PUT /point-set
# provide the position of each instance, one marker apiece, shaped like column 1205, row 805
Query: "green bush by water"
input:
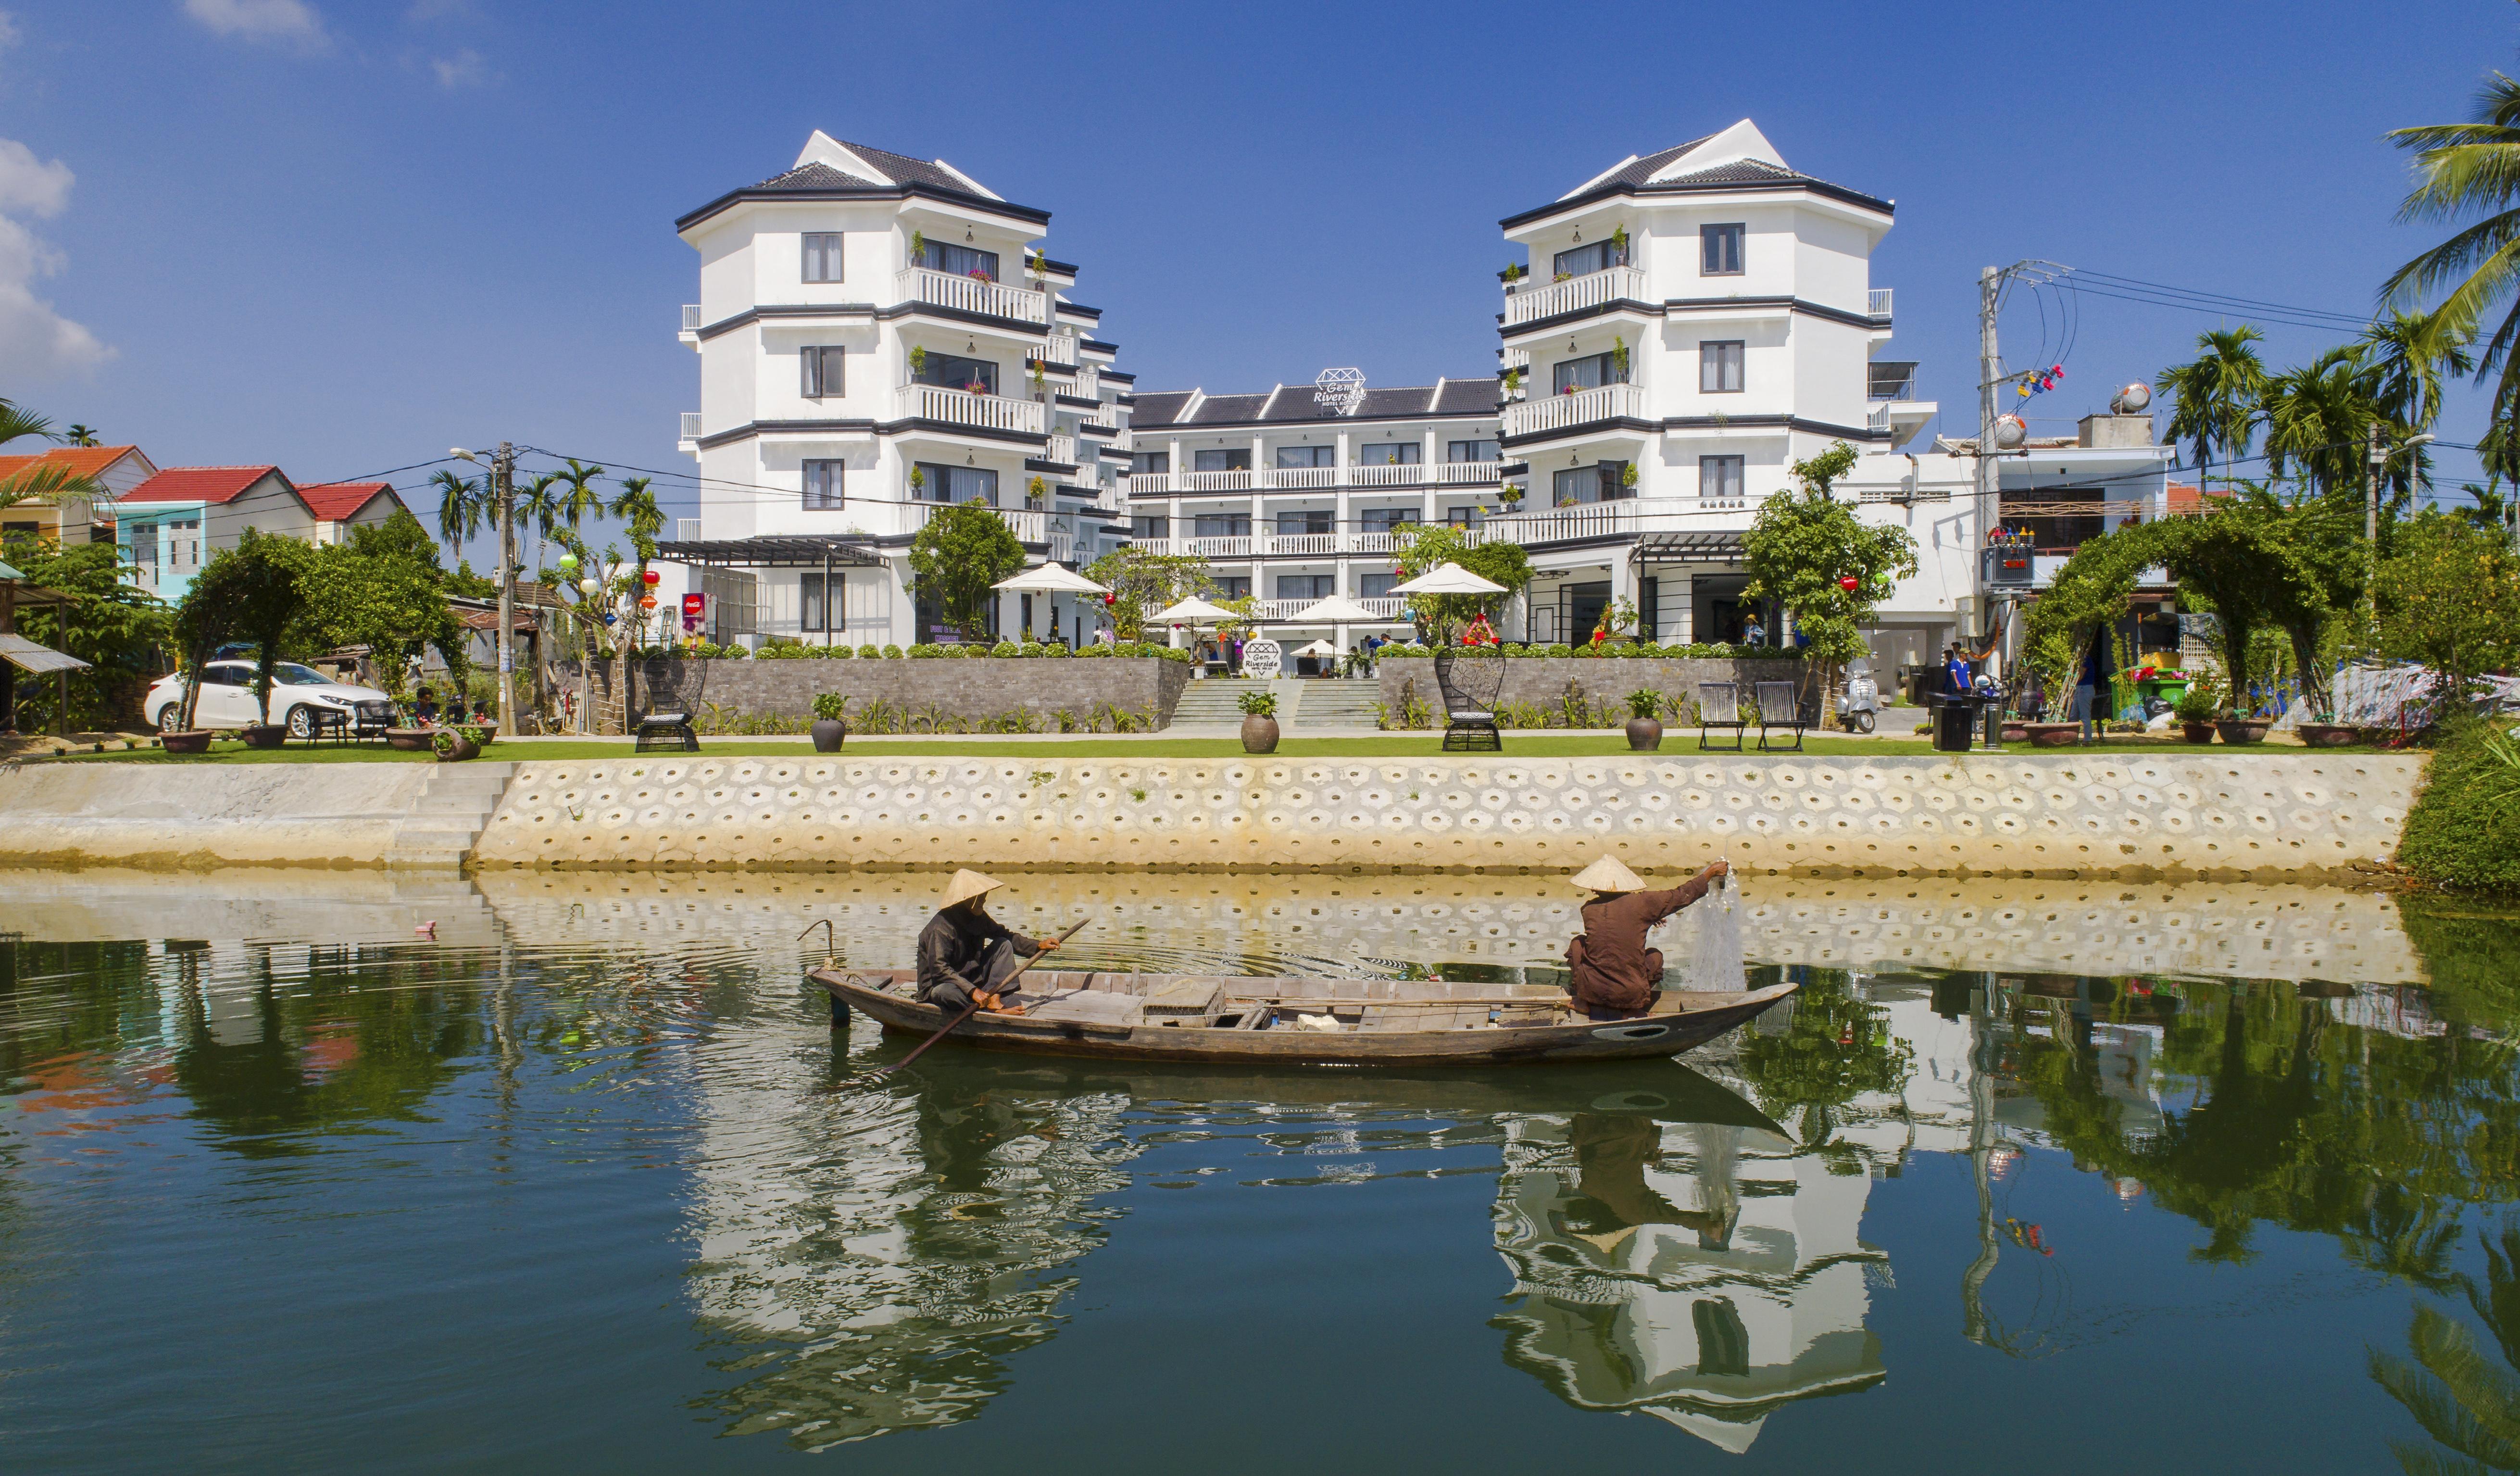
column 2463, row 834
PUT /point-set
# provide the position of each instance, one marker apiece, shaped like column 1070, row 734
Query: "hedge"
column 787, row 652
column 2463, row 833
column 1615, row 650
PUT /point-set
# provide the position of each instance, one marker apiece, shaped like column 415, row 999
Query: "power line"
column 2223, row 301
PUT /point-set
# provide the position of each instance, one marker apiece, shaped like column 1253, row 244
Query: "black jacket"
column 953, row 943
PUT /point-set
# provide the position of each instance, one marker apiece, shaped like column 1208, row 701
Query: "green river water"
column 2031, row 1175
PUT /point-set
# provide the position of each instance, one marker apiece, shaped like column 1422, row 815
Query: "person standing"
column 964, row 955
column 1614, row 974
column 1754, row 633
column 2087, row 692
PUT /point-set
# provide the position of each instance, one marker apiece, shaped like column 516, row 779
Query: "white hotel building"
column 878, row 334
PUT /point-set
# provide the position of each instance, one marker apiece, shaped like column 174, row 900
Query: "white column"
column 1685, row 583
column 1623, row 581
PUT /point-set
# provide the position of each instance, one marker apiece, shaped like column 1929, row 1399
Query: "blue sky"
column 344, row 237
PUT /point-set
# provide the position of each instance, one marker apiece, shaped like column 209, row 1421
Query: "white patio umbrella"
column 1336, row 611
column 1049, row 579
column 1318, row 649
column 1449, row 579
column 1194, row 611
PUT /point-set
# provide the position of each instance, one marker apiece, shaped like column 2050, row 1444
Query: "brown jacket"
column 1612, row 966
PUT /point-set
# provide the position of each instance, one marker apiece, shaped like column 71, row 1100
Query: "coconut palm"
column 33, row 483
column 2493, row 507
column 2468, row 1403
column 2406, row 354
column 538, row 505
column 2464, row 169
column 636, row 506
column 2319, row 418
column 574, row 498
column 460, row 507
column 2217, row 394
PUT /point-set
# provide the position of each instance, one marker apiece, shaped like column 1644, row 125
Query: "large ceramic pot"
column 2242, row 732
column 829, row 733
column 196, row 740
column 2196, row 733
column 408, row 739
column 1644, row 734
column 2014, row 731
column 2048, row 735
column 2327, row 734
column 1259, row 734
column 457, row 750
column 264, row 735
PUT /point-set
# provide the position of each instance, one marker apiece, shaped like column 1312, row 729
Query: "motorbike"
column 1861, row 699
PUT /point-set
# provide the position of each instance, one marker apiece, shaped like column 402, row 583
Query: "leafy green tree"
column 1800, row 548
column 2217, row 394
column 1141, row 582
column 965, row 550
column 2449, row 597
column 117, row 628
column 383, row 589
column 1431, row 546
column 636, row 508
column 1838, row 1048
column 254, row 592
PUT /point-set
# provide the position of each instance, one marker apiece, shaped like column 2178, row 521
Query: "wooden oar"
column 974, row 1006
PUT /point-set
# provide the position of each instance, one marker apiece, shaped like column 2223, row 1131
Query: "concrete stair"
column 1336, row 704
column 450, row 814
column 1212, row 703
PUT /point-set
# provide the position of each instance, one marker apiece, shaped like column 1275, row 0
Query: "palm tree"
column 2218, row 394
column 2463, row 170
column 539, row 505
column 2319, row 417
column 636, row 506
column 38, row 481
column 579, row 500
column 460, row 506
column 80, row 436
column 2466, row 1401
column 2493, row 507
column 2406, row 354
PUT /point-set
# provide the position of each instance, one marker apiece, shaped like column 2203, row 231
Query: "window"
column 1582, row 259
column 1589, row 372
column 1233, row 586
column 227, row 674
column 962, row 262
column 1719, row 368
column 184, row 541
column 1375, row 586
column 978, row 376
column 1458, row 452
column 1719, row 249
column 1150, row 525
column 1601, row 481
column 1308, row 456
column 822, row 372
column 1310, row 520
column 1151, row 460
column 1221, row 526
column 823, row 486
column 1466, row 516
column 1390, row 454
column 957, row 484
column 1238, row 459
column 1306, row 586
column 1389, row 519
column 1719, row 479
column 811, row 606
column 822, row 256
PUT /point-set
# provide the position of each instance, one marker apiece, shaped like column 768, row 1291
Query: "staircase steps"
column 450, row 814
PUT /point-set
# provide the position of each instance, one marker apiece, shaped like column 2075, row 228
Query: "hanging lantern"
column 1110, row 598
column 1848, row 582
column 647, row 602
column 589, row 585
column 651, row 578
column 567, row 560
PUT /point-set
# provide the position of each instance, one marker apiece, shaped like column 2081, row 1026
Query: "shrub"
column 837, row 653
column 1028, row 649
column 1006, row 649
column 1643, row 702
column 1258, row 705
column 1055, row 651
column 872, row 652
column 894, row 652
column 2201, row 702
column 922, row 650
column 831, row 706
column 2463, row 832
column 1560, row 648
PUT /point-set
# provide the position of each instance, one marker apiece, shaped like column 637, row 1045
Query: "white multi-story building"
column 879, row 335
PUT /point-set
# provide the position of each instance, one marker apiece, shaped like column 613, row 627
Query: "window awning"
column 42, row 660
column 1688, row 548
column 789, row 551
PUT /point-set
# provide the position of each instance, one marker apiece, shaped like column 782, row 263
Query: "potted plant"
column 1645, row 730
column 919, row 249
column 1628, row 479
column 451, row 746
column 1040, row 383
column 1259, row 722
column 918, row 360
column 264, row 735
column 1619, row 358
column 1036, row 493
column 1510, row 495
column 1513, row 273
column 918, row 484
column 2235, row 729
column 1514, row 383
column 190, row 741
column 831, row 721
column 1619, row 245
column 2197, row 710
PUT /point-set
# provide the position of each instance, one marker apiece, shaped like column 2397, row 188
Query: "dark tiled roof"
column 1228, row 408
column 1637, row 177
column 817, row 177
column 1295, row 403
column 1467, row 397
column 901, row 169
column 1390, row 404
column 1158, row 407
column 1740, row 171
column 1637, row 171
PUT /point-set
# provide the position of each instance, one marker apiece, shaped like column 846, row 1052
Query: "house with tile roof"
column 879, row 335
column 72, row 517
column 339, row 507
column 170, row 524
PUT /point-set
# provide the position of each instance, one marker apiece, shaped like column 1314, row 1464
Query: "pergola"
column 779, row 551
column 18, row 654
column 1688, row 548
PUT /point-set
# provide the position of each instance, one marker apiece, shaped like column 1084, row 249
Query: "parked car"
column 297, row 693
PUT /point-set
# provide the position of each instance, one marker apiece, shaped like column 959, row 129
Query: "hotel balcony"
column 1543, row 415
column 1317, row 478
column 1386, row 608
column 1532, row 304
column 937, row 404
column 690, row 439
column 691, row 333
column 971, row 294
column 1891, row 388
column 1275, row 545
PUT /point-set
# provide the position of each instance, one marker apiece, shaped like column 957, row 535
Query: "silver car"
column 297, row 693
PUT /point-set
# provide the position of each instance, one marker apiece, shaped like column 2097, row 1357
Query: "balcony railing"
column 1591, row 289
column 690, row 424
column 691, row 317
column 1316, row 478
column 1564, row 412
column 1385, row 606
column 1217, row 481
column 1876, row 302
column 1028, row 524
column 1890, row 380
column 1877, row 420
column 1063, row 447
column 960, row 407
column 1057, row 348
column 972, row 294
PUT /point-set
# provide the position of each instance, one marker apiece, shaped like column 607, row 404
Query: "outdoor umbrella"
column 1337, row 610
column 1318, row 648
column 1051, row 579
column 1194, row 611
column 1449, row 579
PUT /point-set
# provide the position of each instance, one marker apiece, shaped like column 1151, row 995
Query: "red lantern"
column 651, row 578
column 1848, row 582
column 1111, row 598
column 647, row 602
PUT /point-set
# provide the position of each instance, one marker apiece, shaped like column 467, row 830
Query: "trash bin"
column 1953, row 716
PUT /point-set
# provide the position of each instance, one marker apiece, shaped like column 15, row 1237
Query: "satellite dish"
column 2011, row 432
column 2133, row 399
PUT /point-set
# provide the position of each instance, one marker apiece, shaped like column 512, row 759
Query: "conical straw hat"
column 1608, row 875
column 967, row 884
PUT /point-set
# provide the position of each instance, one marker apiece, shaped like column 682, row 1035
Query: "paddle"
column 970, row 1008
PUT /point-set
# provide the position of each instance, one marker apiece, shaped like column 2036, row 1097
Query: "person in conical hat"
column 1615, row 975
column 965, row 954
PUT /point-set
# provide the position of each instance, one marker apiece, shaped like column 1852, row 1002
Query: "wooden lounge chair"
column 1469, row 679
column 1719, row 705
column 1780, row 706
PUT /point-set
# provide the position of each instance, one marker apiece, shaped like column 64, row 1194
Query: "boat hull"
column 1680, row 1022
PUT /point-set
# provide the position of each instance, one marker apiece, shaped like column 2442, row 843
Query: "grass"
column 1544, row 744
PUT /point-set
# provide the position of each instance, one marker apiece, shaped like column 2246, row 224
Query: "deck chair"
column 1470, row 678
column 670, row 731
column 1719, row 705
column 1776, row 698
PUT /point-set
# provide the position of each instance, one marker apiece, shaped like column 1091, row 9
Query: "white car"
column 298, row 693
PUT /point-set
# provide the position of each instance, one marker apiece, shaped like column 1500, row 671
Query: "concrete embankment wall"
column 2250, row 815
column 973, row 689
column 1540, row 681
column 206, row 815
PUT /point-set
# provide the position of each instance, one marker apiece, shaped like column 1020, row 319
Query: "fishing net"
column 1715, row 949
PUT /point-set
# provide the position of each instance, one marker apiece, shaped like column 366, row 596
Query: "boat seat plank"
column 1092, row 1007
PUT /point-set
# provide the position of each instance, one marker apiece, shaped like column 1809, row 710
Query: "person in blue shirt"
column 1955, row 669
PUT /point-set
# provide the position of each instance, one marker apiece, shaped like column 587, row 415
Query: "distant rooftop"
column 827, row 168
column 1734, row 158
column 1292, row 404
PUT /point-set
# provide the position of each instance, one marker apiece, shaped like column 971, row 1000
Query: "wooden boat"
column 1300, row 1021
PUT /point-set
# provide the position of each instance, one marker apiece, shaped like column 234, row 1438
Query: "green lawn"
column 1397, row 745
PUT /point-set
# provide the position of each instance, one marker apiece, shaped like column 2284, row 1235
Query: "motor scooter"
column 1861, row 699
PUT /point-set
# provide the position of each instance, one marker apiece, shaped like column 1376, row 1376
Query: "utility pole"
column 2376, row 462
column 1989, row 290
column 502, row 487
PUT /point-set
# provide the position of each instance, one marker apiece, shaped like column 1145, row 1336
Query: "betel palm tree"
column 539, row 505
column 78, row 436
column 2463, row 170
column 2217, row 395
column 2494, row 508
column 460, row 506
column 574, row 498
column 2319, row 418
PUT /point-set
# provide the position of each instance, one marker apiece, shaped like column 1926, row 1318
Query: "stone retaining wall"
column 1541, row 680
column 972, row 689
column 2254, row 815
column 204, row 815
